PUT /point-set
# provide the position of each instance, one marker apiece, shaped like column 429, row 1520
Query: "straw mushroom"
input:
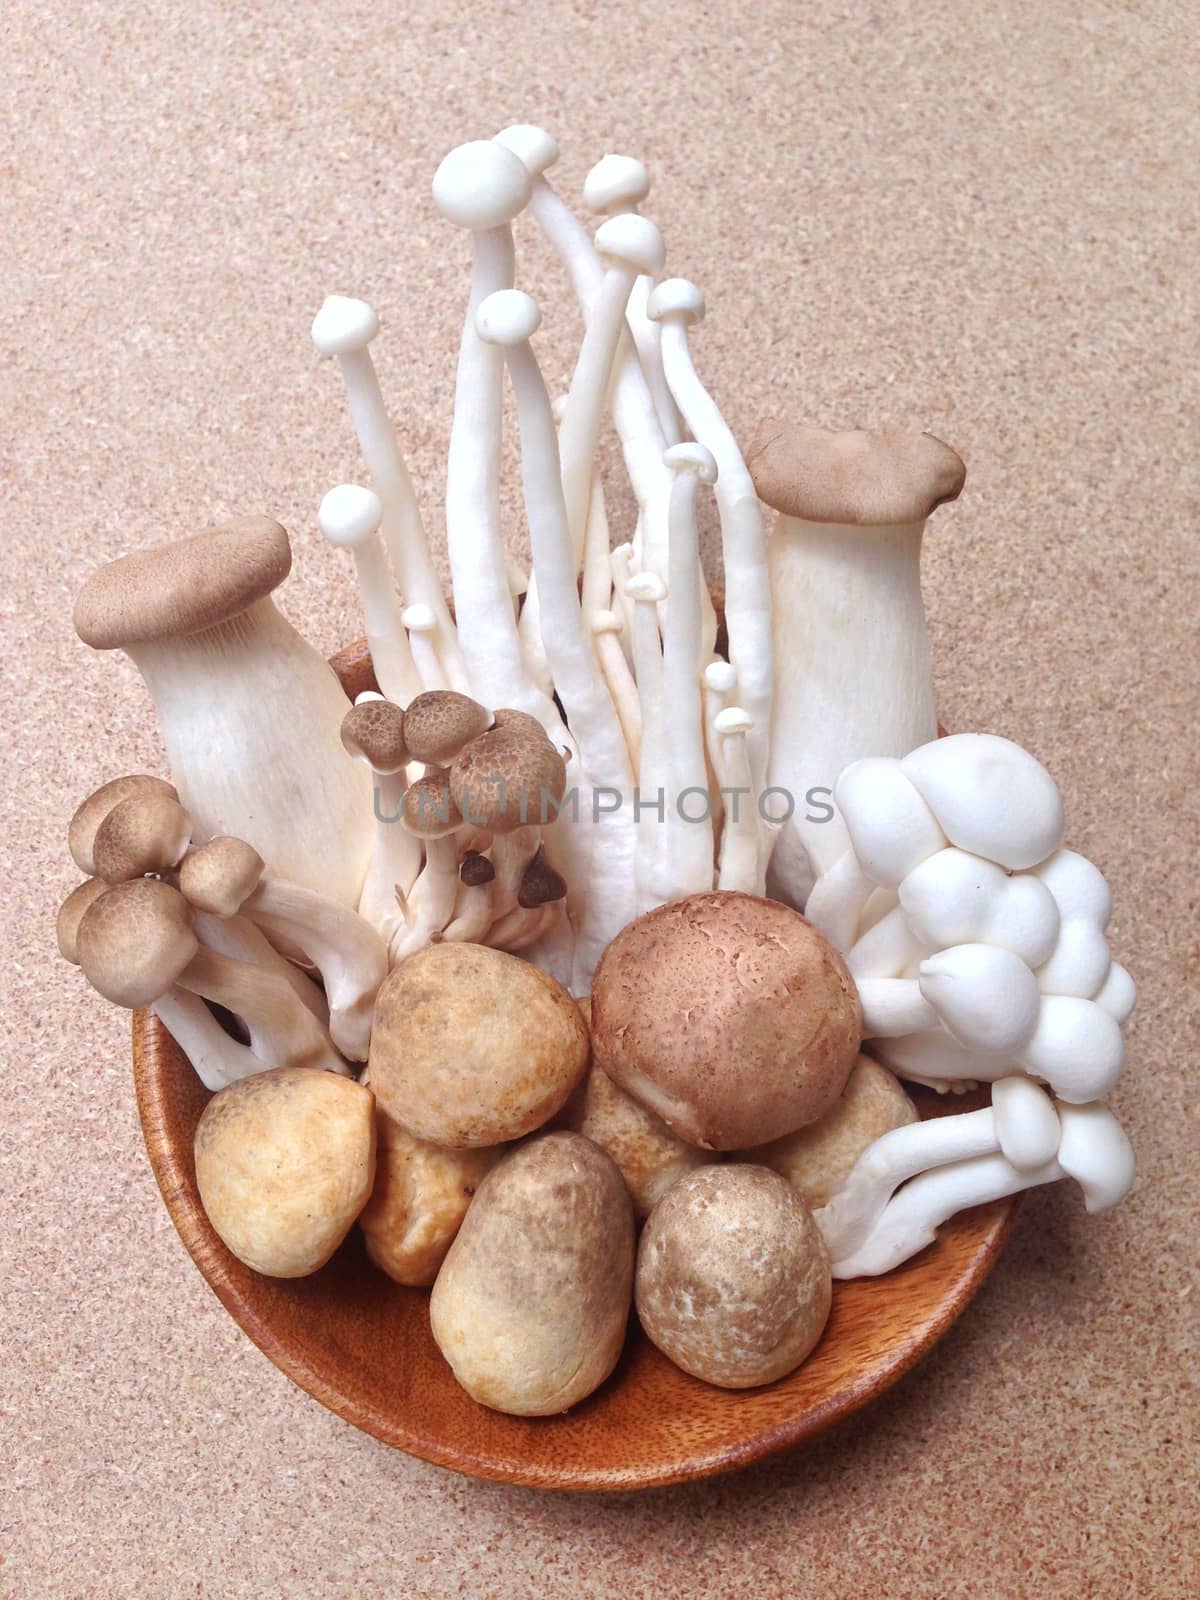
column 473, row 1047
column 84, row 825
column 531, row 1304
column 733, row 1279
column 249, row 712
column 419, row 1200
column 284, row 1164
column 136, row 943
column 816, row 1159
column 845, row 554
column 729, row 1017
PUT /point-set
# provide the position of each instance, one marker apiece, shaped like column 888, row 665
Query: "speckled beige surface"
column 981, row 219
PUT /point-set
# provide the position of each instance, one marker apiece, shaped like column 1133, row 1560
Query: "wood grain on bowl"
column 361, row 1344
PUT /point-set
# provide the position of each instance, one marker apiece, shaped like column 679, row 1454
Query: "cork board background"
column 976, row 219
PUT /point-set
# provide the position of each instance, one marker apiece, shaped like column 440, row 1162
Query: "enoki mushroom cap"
column 220, row 875
column 135, row 941
column 183, row 587
column 440, row 722
column 677, row 298
column 343, row 326
column 615, row 182
column 508, row 317
column 691, row 457
column 145, row 832
column 536, row 149
column 873, row 479
column 349, row 515
column 481, row 185
column 375, row 731
column 631, row 241
column 84, row 825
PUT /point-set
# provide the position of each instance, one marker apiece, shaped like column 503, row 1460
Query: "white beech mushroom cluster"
column 554, row 753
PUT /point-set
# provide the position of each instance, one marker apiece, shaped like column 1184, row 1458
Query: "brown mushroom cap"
column 874, row 479
column 284, row 1163
column 70, row 914
column 733, row 1281
column 473, row 1047
column 540, row 884
column 146, row 832
column 183, row 587
column 220, row 875
column 440, row 722
column 816, row 1159
column 429, row 808
column 730, row 1017
column 475, row 870
column 135, row 941
column 83, row 826
column 508, row 777
column 373, row 731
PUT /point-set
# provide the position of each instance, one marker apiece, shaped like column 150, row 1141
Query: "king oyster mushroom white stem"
column 350, row 518
column 226, row 876
column 136, row 944
column 619, row 184
column 345, row 328
column 249, row 712
column 373, row 731
column 482, row 186
column 688, row 834
column 676, row 305
column 508, row 319
column 851, row 651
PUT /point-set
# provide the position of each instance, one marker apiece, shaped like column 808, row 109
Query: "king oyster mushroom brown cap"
column 872, row 479
column 499, row 779
column 83, row 826
column 440, row 722
column 135, row 941
column 183, row 587
column 146, row 832
column 375, row 731
column 220, row 875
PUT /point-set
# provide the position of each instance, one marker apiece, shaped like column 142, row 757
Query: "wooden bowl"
column 361, row 1344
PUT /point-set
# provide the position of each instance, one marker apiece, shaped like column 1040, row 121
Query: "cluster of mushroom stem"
column 551, row 753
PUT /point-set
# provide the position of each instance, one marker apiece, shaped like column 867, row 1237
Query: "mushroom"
column 1080, row 962
column 226, row 875
column 146, row 832
column 136, row 943
column 854, row 679
column 1092, row 1149
column 989, row 796
column 429, row 814
column 249, row 712
column 350, row 518
column 474, row 1047
column 420, row 624
column 954, row 897
column 506, row 777
column 816, row 1159
column 374, row 732
column 83, row 826
column 676, row 305
column 473, row 905
column 741, row 856
column 482, row 186
column 284, row 1164
column 729, row 1017
column 984, row 996
column 647, row 591
column 438, row 725
column 216, row 1057
column 619, row 184
column 686, row 838
column 70, row 914
column 345, row 328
